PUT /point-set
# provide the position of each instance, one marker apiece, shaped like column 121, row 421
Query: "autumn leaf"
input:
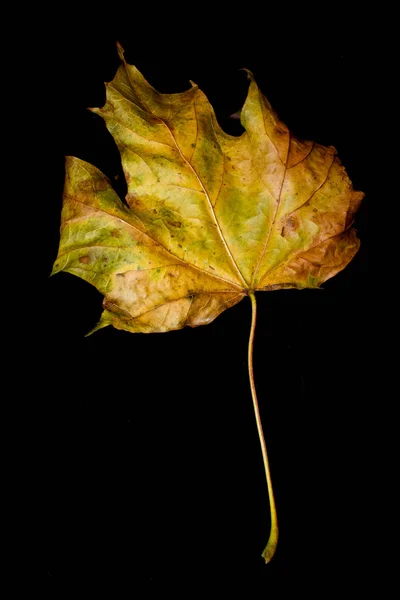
column 209, row 218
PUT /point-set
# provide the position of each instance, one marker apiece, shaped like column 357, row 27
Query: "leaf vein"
column 312, row 195
column 205, row 193
column 285, row 262
column 304, row 157
column 156, row 242
column 276, row 212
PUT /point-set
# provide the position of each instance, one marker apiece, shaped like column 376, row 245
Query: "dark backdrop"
column 145, row 465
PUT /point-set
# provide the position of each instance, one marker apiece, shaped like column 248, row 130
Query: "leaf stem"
column 270, row 548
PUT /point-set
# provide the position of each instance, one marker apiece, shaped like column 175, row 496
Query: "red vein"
column 265, row 127
column 302, row 159
column 285, row 262
column 274, row 223
column 197, row 130
column 222, row 181
column 312, row 195
column 275, row 214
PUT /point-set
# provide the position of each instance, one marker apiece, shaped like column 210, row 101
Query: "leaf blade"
column 210, row 217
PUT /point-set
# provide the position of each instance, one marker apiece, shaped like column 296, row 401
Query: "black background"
column 145, row 468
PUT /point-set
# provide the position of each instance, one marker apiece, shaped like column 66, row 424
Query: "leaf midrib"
column 211, row 208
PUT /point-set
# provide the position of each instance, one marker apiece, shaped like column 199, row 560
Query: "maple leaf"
column 209, row 218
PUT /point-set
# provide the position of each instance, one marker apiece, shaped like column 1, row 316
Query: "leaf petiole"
column 270, row 548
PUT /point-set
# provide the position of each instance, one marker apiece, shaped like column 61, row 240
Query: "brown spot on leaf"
column 115, row 233
column 291, row 223
column 101, row 185
column 173, row 223
column 86, row 185
column 84, row 259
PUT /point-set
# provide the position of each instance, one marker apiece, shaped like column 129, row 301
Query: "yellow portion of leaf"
column 210, row 217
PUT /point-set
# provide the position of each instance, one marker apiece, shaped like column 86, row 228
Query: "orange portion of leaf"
column 210, row 217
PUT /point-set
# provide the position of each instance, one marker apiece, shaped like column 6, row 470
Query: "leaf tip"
column 98, row 326
column 121, row 51
column 103, row 322
column 56, row 269
column 249, row 74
